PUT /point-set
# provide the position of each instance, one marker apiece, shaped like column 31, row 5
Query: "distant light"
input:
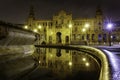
column 39, row 61
column 39, row 27
column 70, row 25
column 111, row 36
column 51, row 55
column 87, row 25
column 35, row 30
column 26, row 27
column 87, row 64
column 84, row 59
column 83, row 30
column 109, row 26
column 70, row 63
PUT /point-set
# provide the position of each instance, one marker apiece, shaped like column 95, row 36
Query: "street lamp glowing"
column 109, row 26
column 39, row 27
column 39, row 61
column 35, row 30
column 87, row 25
column 26, row 27
column 87, row 64
column 70, row 63
column 84, row 59
column 83, row 30
column 70, row 25
column 51, row 55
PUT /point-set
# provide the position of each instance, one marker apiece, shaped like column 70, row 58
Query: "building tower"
column 99, row 17
column 31, row 18
column 99, row 25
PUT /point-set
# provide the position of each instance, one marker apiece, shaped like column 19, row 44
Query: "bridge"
column 11, row 34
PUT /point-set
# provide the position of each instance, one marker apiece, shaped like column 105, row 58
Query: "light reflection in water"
column 68, row 64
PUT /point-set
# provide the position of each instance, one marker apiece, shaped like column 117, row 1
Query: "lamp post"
column 86, row 26
column 109, row 27
column 39, row 28
column 84, row 31
column 70, row 26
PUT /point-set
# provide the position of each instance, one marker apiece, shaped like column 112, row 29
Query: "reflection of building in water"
column 65, row 61
column 83, row 62
column 42, row 57
column 58, row 59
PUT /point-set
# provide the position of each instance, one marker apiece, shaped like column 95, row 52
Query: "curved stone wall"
column 105, row 69
column 18, row 38
column 14, row 35
column 105, row 72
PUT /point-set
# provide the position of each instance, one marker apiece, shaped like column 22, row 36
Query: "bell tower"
column 99, row 18
column 99, row 11
column 99, row 25
column 31, row 12
column 31, row 18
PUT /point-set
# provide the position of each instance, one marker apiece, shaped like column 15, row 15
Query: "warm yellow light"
column 39, row 61
column 39, row 27
column 87, row 25
column 26, row 27
column 51, row 55
column 70, row 25
column 84, row 59
column 70, row 63
column 35, row 30
column 87, row 64
column 83, row 30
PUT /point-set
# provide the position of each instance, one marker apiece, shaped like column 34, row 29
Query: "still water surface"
column 61, row 64
column 52, row 64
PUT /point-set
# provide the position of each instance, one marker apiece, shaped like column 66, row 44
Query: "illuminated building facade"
column 63, row 29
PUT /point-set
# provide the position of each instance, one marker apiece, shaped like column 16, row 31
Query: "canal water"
column 52, row 64
column 61, row 64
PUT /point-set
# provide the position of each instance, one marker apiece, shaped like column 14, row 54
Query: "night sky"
column 16, row 11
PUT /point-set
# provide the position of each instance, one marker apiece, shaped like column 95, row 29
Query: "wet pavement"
column 113, row 53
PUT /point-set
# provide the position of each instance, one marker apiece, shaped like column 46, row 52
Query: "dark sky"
column 16, row 11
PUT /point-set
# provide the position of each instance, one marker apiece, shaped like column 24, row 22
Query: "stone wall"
column 14, row 35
